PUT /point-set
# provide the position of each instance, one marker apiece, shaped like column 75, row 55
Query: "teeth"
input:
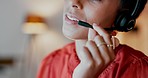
column 74, row 19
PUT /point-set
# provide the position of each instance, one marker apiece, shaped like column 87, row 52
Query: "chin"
column 74, row 35
column 75, row 38
column 73, row 32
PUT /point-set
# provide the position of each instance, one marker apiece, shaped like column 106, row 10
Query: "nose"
column 76, row 4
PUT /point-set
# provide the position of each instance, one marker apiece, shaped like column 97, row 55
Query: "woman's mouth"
column 71, row 19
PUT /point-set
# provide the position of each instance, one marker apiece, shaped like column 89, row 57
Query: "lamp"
column 34, row 24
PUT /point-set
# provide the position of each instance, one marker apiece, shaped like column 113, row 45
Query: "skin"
column 101, row 14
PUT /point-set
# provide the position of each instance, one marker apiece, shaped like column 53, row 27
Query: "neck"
column 79, row 44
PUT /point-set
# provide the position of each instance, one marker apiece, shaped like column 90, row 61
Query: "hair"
column 130, row 5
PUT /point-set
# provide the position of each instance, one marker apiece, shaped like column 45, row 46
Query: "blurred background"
column 32, row 29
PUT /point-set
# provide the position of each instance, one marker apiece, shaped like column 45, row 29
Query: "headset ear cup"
column 120, row 22
column 124, row 22
column 130, row 25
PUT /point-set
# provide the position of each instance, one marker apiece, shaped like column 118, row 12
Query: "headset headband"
column 135, row 10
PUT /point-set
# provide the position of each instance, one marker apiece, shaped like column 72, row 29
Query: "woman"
column 95, row 53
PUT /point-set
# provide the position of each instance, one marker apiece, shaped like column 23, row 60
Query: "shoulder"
column 55, row 60
column 59, row 53
column 129, row 52
column 131, row 61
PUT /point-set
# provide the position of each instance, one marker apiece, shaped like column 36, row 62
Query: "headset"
column 126, row 19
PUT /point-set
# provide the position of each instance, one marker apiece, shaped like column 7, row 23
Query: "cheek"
column 94, row 15
column 102, row 17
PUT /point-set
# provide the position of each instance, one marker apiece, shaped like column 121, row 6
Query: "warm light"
column 34, row 25
column 34, row 28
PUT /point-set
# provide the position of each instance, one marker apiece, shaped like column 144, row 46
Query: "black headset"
column 126, row 19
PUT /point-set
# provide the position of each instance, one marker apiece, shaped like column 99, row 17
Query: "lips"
column 71, row 19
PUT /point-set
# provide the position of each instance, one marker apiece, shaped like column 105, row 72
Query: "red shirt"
column 129, row 63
